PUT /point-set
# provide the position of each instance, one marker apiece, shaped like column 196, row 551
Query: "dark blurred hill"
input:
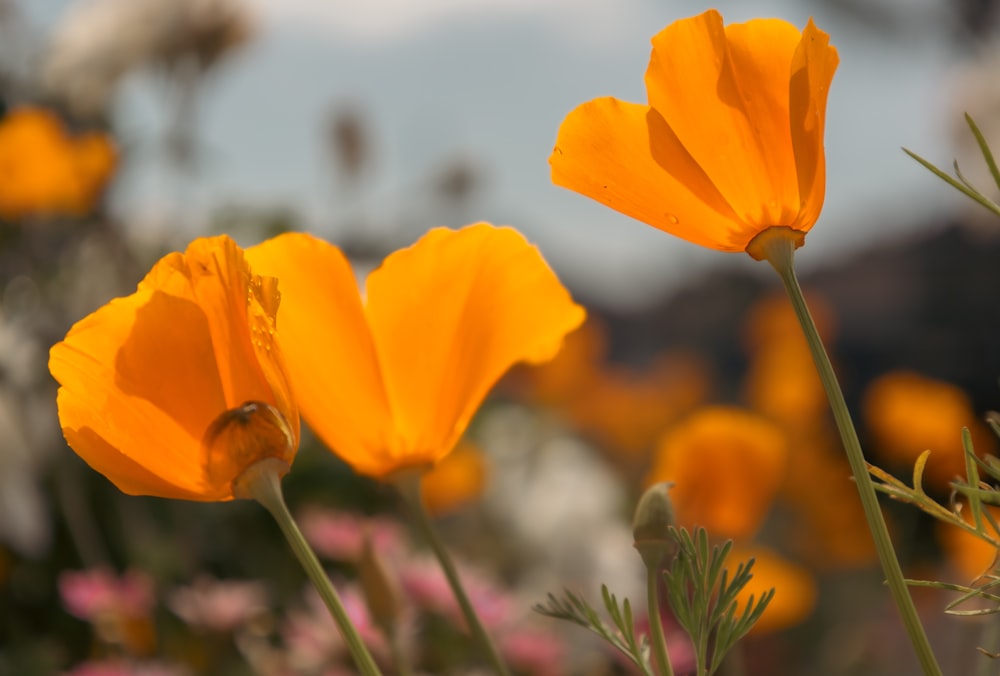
column 926, row 303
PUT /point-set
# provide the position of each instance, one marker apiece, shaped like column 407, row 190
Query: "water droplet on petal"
column 673, row 219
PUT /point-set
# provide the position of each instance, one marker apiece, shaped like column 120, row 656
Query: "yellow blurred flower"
column 795, row 589
column 46, row 171
column 455, row 481
column 727, row 465
column 730, row 144
column 909, row 413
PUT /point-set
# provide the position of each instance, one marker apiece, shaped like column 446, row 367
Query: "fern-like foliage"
column 959, row 182
column 574, row 608
column 704, row 600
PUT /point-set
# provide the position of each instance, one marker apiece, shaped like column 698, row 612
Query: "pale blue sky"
column 492, row 79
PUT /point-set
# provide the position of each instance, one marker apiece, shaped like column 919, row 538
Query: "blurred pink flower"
column 117, row 667
column 218, row 605
column 425, row 584
column 340, row 535
column 91, row 594
column 531, row 651
column 313, row 640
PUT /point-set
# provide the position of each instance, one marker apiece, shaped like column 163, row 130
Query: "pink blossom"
column 117, row 667
column 95, row 593
column 340, row 535
column 313, row 639
column 218, row 605
column 425, row 584
column 534, row 652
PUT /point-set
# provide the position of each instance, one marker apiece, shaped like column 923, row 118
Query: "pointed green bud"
column 651, row 525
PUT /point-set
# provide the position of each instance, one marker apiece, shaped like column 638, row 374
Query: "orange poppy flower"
column 390, row 381
column 726, row 465
column 45, row 171
column 730, row 144
column 909, row 413
column 795, row 588
column 177, row 389
column 456, row 481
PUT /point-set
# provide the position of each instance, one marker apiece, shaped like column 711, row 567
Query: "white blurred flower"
column 25, row 421
column 564, row 504
column 98, row 42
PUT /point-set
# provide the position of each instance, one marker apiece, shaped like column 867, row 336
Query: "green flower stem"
column 658, row 640
column 262, row 482
column 409, row 487
column 777, row 246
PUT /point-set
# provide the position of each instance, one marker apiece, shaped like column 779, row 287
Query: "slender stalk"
column 658, row 640
column 777, row 247
column 398, row 654
column 262, row 482
column 409, row 488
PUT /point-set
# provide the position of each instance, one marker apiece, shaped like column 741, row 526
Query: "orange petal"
column 724, row 92
column 727, row 466
column 144, row 377
column 140, row 376
column 626, row 157
column 813, row 66
column 328, row 348
column 449, row 316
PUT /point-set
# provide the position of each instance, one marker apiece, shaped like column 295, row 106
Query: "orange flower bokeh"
column 390, row 381
column 795, row 588
column 457, row 480
column 909, row 413
column 45, row 171
column 179, row 388
column 730, row 143
column 726, row 465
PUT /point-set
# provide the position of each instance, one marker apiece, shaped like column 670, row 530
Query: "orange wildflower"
column 43, row 170
column 972, row 556
column 795, row 589
column 726, row 465
column 390, row 381
column 909, row 413
column 179, row 388
column 455, row 481
column 730, row 143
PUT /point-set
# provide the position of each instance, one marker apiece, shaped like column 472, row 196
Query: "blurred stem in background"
column 776, row 245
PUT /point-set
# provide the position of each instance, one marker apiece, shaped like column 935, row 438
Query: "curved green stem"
column 658, row 640
column 262, row 482
column 409, row 488
column 777, row 246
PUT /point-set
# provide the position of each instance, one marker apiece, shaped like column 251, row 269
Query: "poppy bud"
column 654, row 515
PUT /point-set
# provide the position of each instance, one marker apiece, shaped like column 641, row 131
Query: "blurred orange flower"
column 43, row 170
column 795, row 589
column 455, row 481
column 726, row 465
column 624, row 409
column 730, row 144
column 909, row 413
column 177, row 389
column 782, row 381
column 971, row 555
column 391, row 381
